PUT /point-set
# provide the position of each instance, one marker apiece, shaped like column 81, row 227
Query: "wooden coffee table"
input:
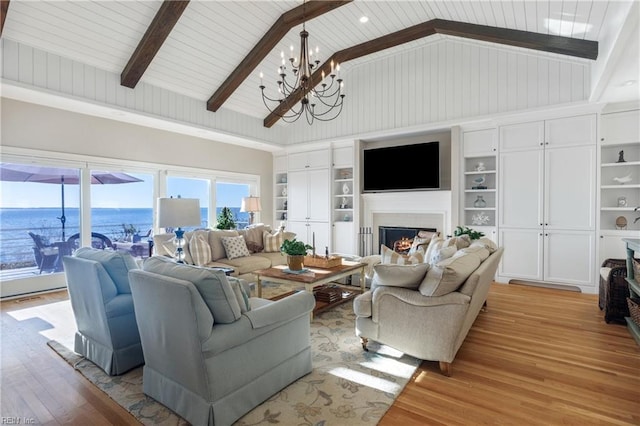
column 313, row 277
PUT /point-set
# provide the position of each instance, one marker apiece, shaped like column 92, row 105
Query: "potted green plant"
column 295, row 251
column 225, row 219
column 464, row 230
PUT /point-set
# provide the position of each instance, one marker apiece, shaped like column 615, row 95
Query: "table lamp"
column 176, row 213
column 251, row 204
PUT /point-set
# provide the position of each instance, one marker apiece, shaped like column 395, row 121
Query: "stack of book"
column 328, row 294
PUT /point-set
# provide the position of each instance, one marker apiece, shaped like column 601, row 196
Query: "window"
column 231, row 195
column 40, row 207
column 122, row 211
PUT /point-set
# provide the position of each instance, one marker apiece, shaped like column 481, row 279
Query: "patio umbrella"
column 61, row 176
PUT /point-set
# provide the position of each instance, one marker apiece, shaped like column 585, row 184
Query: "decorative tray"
column 322, row 262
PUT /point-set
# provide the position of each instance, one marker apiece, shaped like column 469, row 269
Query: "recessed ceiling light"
column 364, row 19
column 629, row 82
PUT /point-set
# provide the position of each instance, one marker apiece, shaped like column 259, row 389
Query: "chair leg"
column 484, row 307
column 445, row 368
column 364, row 341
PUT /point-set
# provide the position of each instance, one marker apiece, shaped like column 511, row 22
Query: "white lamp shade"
column 250, row 204
column 178, row 212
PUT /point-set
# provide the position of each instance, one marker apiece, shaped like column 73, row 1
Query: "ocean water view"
column 16, row 246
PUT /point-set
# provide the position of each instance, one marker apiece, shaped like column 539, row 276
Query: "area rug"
column 346, row 386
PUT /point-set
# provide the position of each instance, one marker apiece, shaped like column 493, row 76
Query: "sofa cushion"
column 388, row 256
column 406, row 276
column 253, row 237
column 477, row 249
column 215, row 241
column 487, row 243
column 116, row 263
column 212, row 285
column 272, row 242
column 244, row 265
column 199, row 248
column 235, row 247
column 275, row 258
column 462, row 241
column 442, row 253
column 446, row 276
column 419, row 242
column 241, row 296
column 435, row 245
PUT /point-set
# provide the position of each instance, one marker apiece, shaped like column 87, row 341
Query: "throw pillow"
column 462, row 241
column 477, row 249
column 419, row 243
column 168, row 247
column 487, row 243
column 254, row 247
column 215, row 241
column 212, row 285
column 273, row 242
column 388, row 256
column 436, row 244
column 406, row 276
column 442, row 254
column 428, row 234
column 200, row 249
column 446, row 276
column 235, row 247
column 241, row 295
column 253, row 234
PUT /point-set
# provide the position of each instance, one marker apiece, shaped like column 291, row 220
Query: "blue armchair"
column 211, row 353
column 102, row 304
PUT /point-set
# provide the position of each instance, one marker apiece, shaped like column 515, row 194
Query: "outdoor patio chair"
column 98, row 241
column 46, row 255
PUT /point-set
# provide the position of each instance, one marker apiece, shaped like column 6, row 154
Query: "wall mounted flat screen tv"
column 402, row 168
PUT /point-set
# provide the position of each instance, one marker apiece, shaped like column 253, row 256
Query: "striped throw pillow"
column 389, row 256
column 273, row 242
column 200, row 249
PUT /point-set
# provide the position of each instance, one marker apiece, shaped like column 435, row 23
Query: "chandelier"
column 321, row 102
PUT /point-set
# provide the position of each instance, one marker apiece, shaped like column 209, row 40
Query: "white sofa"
column 428, row 315
column 261, row 258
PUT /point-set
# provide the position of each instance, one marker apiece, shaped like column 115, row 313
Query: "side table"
column 633, row 245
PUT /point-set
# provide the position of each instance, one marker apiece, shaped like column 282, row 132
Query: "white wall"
column 26, row 125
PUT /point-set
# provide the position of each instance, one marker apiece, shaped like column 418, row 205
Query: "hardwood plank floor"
column 537, row 356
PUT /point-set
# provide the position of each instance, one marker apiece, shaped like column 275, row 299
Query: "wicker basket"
column 634, row 309
column 322, row 262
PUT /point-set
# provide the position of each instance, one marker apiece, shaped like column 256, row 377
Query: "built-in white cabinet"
column 345, row 201
column 308, row 160
column 280, row 189
column 308, row 206
column 547, row 200
column 619, row 178
column 479, row 197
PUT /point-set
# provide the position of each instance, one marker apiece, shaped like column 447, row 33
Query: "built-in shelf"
column 480, row 173
column 480, row 208
column 479, row 190
column 626, row 163
column 632, row 186
column 617, row 209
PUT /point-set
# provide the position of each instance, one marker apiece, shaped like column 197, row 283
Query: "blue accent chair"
column 102, row 304
column 211, row 353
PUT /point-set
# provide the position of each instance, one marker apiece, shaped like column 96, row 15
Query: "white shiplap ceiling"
column 212, row 37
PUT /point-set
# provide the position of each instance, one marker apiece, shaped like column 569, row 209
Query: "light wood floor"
column 537, row 356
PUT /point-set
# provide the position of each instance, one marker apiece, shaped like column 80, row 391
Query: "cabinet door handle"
column 546, row 235
column 546, row 143
column 541, row 144
column 546, row 224
column 540, row 224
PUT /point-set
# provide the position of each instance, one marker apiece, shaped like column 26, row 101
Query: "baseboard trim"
column 547, row 285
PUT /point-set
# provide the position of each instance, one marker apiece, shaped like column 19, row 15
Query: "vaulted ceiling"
column 210, row 39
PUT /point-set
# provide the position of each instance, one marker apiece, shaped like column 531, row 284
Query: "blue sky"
column 138, row 194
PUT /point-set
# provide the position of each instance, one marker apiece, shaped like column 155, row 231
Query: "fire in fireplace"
column 399, row 238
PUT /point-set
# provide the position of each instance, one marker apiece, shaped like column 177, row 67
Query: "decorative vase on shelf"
column 345, row 188
column 480, row 202
column 284, row 191
column 480, row 167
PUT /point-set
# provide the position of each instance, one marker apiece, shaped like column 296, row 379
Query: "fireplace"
column 399, row 238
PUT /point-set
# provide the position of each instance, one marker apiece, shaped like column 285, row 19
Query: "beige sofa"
column 260, row 257
column 427, row 316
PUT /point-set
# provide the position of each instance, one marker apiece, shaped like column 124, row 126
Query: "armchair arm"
column 415, row 298
column 298, row 304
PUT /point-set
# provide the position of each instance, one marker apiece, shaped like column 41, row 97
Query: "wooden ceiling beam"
column 4, row 8
column 278, row 30
column 529, row 40
column 158, row 31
